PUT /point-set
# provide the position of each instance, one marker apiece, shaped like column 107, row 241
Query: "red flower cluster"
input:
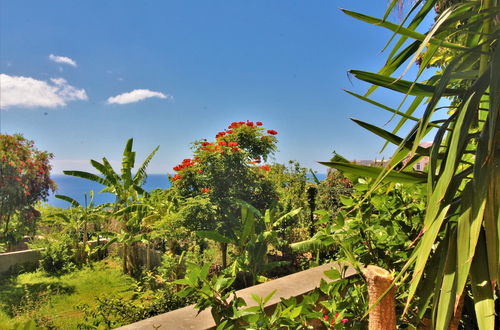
column 185, row 163
column 220, row 134
column 176, row 177
column 232, row 144
column 222, row 143
column 272, row 132
column 237, row 124
column 265, row 168
column 205, row 190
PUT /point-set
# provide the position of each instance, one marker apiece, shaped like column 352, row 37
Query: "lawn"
column 51, row 300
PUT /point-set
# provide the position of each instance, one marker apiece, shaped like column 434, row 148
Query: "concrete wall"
column 19, row 260
column 294, row 285
column 26, row 260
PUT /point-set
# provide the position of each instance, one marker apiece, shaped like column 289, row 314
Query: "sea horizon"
column 76, row 188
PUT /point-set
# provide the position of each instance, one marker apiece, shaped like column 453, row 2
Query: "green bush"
column 112, row 312
column 57, row 258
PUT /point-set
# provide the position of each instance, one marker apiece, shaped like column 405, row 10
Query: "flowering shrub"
column 224, row 170
column 24, row 177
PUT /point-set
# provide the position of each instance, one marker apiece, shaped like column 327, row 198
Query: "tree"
column 458, row 245
column 24, row 178
column 223, row 171
column 127, row 189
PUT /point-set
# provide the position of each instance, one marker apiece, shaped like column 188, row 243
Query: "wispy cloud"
column 62, row 60
column 135, row 96
column 26, row 92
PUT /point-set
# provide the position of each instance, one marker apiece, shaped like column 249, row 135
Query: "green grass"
column 51, row 300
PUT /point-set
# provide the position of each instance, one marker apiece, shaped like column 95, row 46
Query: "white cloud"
column 135, row 96
column 62, row 60
column 26, row 92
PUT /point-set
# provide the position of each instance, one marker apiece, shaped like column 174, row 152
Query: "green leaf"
column 68, row 199
column 214, row 236
column 268, row 297
column 391, row 137
column 402, row 30
column 374, row 172
column 402, row 86
column 482, row 290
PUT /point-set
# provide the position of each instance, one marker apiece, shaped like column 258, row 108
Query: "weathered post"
column 382, row 315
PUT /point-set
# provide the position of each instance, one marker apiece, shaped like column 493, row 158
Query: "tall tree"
column 24, row 177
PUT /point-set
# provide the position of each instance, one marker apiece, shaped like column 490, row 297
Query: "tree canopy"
column 24, row 176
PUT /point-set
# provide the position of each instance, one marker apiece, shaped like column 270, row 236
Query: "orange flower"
column 265, row 168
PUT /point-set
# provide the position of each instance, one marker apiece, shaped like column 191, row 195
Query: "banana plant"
column 252, row 240
column 127, row 189
column 458, row 245
column 79, row 220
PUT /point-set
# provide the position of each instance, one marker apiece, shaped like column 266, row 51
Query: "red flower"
column 235, row 149
column 205, row 190
column 222, row 143
column 249, row 123
column 272, row 132
column 230, row 131
column 232, row 144
column 344, row 321
column 265, row 168
column 204, row 144
column 178, row 168
column 220, row 134
column 200, row 171
column 259, row 123
column 325, row 317
column 176, row 177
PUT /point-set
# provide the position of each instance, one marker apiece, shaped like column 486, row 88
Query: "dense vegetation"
column 231, row 219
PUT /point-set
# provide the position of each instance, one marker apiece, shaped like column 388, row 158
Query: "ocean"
column 76, row 188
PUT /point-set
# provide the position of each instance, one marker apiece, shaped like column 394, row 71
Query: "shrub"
column 57, row 258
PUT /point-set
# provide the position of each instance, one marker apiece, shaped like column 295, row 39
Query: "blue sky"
column 195, row 67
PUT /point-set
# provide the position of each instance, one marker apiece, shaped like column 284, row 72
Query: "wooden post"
column 383, row 315
column 148, row 257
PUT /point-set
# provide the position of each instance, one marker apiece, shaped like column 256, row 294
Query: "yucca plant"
column 127, row 188
column 458, row 245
